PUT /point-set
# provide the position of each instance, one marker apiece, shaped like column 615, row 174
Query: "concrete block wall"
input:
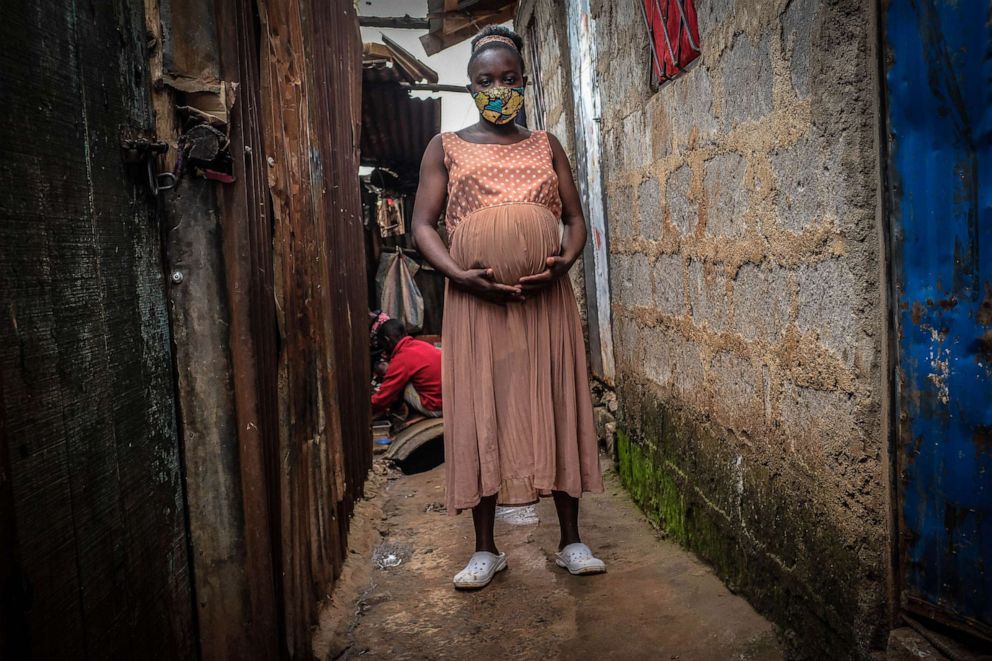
column 555, row 73
column 748, row 316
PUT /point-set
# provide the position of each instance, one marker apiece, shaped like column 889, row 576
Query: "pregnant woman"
column 517, row 411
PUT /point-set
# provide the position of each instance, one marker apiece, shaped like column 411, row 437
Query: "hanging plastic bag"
column 399, row 296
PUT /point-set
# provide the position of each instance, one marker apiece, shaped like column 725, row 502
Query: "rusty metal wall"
column 309, row 75
column 246, row 218
column 337, row 82
column 938, row 115
column 279, row 422
column 94, row 560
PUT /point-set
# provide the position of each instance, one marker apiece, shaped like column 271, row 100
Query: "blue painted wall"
column 939, row 118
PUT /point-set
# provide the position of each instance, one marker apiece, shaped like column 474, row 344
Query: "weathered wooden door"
column 93, row 554
column 938, row 111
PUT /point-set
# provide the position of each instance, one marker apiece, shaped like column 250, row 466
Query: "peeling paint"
column 938, row 116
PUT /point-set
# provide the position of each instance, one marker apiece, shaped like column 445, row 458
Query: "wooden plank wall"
column 91, row 478
column 208, row 239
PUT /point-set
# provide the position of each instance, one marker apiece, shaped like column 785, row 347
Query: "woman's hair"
column 497, row 31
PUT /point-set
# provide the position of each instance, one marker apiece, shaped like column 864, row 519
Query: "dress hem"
column 458, row 509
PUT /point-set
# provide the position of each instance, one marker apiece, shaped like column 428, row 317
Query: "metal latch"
column 136, row 150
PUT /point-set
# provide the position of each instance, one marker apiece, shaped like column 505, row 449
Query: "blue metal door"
column 938, row 109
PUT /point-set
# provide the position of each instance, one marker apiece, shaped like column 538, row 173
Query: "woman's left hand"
column 555, row 267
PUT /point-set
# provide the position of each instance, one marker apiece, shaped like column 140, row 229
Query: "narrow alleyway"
column 657, row 601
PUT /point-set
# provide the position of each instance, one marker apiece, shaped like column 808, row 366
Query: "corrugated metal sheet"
column 310, row 98
column 91, row 489
column 337, row 69
column 390, row 62
column 395, row 127
column 939, row 120
column 246, row 218
column 214, row 348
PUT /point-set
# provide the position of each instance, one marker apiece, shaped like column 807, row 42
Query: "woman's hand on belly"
column 482, row 283
column 554, row 268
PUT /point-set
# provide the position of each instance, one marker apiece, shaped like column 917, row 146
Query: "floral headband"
column 495, row 37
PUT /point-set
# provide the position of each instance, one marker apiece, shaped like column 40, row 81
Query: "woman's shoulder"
column 444, row 141
column 551, row 137
column 435, row 153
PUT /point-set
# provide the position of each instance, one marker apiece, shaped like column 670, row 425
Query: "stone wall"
column 747, row 305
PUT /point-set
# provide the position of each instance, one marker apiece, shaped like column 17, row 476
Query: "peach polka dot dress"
column 517, row 409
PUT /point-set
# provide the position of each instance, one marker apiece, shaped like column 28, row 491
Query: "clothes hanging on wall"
column 389, row 216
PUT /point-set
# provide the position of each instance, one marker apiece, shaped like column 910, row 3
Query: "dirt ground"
column 656, row 601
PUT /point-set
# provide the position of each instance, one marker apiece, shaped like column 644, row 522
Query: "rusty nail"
column 177, row 277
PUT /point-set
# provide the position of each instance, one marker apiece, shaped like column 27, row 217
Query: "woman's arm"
column 431, row 194
column 574, row 237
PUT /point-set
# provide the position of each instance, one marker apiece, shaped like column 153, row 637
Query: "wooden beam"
column 435, row 87
column 403, row 22
column 452, row 26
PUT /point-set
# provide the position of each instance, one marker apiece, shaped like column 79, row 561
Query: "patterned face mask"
column 499, row 105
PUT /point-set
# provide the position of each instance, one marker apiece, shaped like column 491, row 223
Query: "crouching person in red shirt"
column 414, row 372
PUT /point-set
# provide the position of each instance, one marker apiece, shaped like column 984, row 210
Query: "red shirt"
column 412, row 361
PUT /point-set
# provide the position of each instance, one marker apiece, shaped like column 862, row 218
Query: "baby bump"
column 513, row 240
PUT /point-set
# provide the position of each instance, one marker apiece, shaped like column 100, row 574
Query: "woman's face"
column 496, row 67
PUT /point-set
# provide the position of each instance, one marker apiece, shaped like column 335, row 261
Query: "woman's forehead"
column 495, row 61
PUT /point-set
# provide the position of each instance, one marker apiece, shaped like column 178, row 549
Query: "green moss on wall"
column 660, row 492
column 787, row 557
column 652, row 489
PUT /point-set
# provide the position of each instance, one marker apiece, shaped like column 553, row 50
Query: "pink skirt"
column 517, row 409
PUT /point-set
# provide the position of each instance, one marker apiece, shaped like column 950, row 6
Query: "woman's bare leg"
column 484, row 518
column 568, row 518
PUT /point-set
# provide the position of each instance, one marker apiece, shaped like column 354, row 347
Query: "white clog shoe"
column 579, row 560
column 480, row 570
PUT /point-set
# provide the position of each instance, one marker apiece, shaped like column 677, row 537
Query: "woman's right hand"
column 482, row 283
